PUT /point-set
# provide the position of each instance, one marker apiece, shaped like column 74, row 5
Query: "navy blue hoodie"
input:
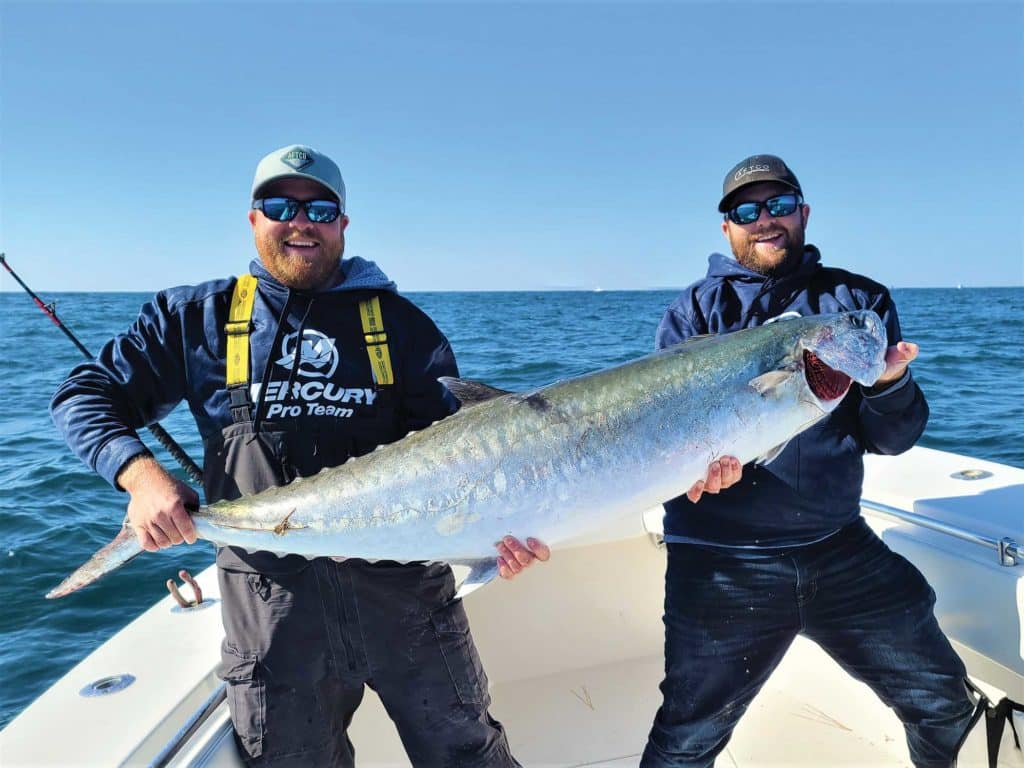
column 176, row 351
column 813, row 488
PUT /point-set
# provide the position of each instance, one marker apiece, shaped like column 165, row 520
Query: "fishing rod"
column 168, row 442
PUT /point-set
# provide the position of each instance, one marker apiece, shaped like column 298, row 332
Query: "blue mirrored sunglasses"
column 748, row 213
column 286, row 209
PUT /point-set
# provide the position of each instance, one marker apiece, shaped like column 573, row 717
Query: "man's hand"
column 157, row 506
column 722, row 473
column 514, row 556
column 896, row 361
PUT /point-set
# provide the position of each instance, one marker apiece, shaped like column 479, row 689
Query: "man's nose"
column 302, row 213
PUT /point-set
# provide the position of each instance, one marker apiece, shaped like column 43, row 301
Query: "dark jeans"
column 729, row 620
column 299, row 647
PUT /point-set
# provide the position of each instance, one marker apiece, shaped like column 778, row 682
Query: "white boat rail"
column 1008, row 551
column 192, row 724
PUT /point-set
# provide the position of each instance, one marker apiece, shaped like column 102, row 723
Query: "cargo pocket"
column 246, row 697
column 451, row 627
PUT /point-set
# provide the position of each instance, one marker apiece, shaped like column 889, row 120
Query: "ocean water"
column 54, row 512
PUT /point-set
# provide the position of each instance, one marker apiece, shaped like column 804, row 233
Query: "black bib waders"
column 303, row 636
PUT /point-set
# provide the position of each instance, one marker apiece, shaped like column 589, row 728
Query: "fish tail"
column 123, row 548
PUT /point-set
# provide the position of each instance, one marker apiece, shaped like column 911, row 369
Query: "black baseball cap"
column 752, row 170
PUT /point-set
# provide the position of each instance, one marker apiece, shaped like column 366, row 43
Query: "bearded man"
column 334, row 362
column 783, row 550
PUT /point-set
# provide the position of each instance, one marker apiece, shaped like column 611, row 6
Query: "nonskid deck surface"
column 810, row 713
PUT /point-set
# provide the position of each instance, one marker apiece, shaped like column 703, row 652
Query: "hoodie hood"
column 727, row 268
column 732, row 296
column 359, row 275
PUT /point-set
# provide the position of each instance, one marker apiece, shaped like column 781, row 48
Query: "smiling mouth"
column 301, row 243
column 768, row 237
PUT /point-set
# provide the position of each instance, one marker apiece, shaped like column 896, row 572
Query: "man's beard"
column 780, row 262
column 295, row 272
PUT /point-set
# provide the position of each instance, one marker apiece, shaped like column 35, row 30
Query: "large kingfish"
column 557, row 461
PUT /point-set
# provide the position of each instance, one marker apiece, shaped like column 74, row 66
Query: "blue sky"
column 510, row 146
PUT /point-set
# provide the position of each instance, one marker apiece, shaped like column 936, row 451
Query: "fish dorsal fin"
column 692, row 340
column 471, row 392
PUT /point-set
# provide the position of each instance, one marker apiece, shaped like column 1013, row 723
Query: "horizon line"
column 540, row 290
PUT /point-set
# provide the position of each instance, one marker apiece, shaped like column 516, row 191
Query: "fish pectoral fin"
column 771, row 454
column 767, row 383
column 481, row 571
column 471, row 392
column 287, row 525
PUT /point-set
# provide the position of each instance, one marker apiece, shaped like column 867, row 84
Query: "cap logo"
column 761, row 168
column 297, row 159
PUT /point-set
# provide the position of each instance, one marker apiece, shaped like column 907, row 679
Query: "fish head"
column 839, row 349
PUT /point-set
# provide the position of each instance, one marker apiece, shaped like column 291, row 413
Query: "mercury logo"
column 318, row 357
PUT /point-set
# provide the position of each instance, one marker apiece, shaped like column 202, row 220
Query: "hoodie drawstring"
column 265, row 379
column 297, row 357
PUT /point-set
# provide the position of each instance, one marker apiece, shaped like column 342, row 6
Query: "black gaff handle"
column 168, row 442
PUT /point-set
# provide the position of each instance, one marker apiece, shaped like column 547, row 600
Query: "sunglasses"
column 748, row 213
column 286, row 209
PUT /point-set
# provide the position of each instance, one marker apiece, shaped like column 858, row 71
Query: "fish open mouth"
column 826, row 383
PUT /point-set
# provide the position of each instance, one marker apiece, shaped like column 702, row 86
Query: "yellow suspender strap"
column 376, row 341
column 237, row 329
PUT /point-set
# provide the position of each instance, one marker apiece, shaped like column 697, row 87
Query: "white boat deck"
column 573, row 651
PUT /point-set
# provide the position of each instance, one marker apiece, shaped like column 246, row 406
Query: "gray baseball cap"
column 300, row 162
column 752, row 170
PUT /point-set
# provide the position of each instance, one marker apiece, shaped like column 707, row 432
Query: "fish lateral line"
column 279, row 530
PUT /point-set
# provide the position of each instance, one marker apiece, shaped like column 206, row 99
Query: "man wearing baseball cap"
column 784, row 551
column 302, row 636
